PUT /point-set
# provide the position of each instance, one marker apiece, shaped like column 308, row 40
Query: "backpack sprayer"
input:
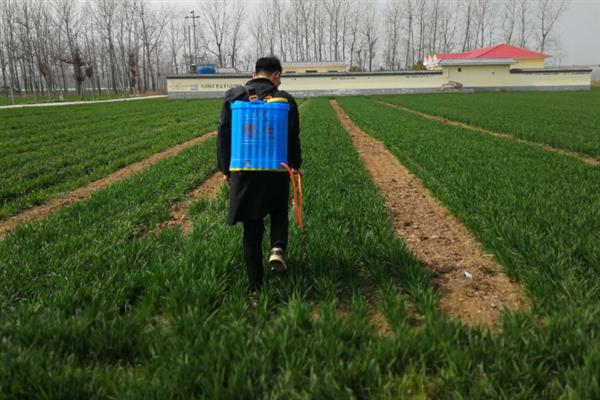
column 259, row 139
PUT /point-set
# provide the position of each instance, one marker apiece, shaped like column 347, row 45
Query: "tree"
column 421, row 10
column 131, row 44
column 448, row 16
column 303, row 17
column 44, row 33
column 234, row 33
column 393, row 26
column 103, row 12
column 9, row 45
column 369, row 32
column 468, row 18
column 484, row 14
column 347, row 18
column 24, row 23
column 337, row 14
column 434, row 25
column 174, row 35
column 354, row 34
column 409, row 15
column 92, row 51
column 70, row 25
column 523, row 22
column 215, row 16
column 548, row 12
column 509, row 20
column 318, row 29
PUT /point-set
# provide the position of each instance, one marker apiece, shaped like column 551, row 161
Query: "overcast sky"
column 579, row 33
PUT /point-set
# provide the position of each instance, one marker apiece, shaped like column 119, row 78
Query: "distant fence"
column 485, row 78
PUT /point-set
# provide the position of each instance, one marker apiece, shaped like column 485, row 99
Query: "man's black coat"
column 254, row 194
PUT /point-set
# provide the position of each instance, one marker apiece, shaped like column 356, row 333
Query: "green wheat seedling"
column 565, row 120
column 47, row 152
column 92, row 305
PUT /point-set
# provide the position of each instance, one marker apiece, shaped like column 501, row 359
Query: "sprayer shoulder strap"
column 243, row 93
column 239, row 93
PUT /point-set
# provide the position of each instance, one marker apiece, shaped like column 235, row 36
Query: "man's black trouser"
column 253, row 236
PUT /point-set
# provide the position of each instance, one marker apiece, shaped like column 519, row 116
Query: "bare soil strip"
column 581, row 157
column 472, row 288
column 85, row 192
column 208, row 189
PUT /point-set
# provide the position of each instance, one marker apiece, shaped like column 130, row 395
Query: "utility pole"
column 194, row 17
column 190, row 56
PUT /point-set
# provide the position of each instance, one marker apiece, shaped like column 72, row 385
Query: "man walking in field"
column 256, row 194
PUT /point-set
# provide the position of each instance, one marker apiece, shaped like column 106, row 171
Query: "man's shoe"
column 253, row 299
column 277, row 260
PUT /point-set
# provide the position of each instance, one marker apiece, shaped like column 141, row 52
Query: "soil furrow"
column 368, row 288
column 581, row 157
column 208, row 189
column 471, row 286
column 86, row 191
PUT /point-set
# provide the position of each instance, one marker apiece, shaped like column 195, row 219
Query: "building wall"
column 307, row 85
column 363, row 82
column 500, row 77
column 551, row 79
column 471, row 77
column 529, row 63
column 479, row 75
column 202, row 86
column 596, row 74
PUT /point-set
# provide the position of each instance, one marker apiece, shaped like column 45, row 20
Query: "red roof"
column 497, row 51
column 445, row 56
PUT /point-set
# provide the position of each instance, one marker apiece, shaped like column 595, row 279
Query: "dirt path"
column 208, row 189
column 73, row 103
column 471, row 286
column 85, row 192
column 581, row 157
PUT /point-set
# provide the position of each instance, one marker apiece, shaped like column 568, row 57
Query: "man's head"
column 270, row 68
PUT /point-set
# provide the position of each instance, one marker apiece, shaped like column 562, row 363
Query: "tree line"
column 54, row 46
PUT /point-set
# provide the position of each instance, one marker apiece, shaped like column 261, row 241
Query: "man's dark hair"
column 268, row 65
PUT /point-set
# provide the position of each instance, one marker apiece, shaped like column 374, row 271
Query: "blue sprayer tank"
column 259, row 135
